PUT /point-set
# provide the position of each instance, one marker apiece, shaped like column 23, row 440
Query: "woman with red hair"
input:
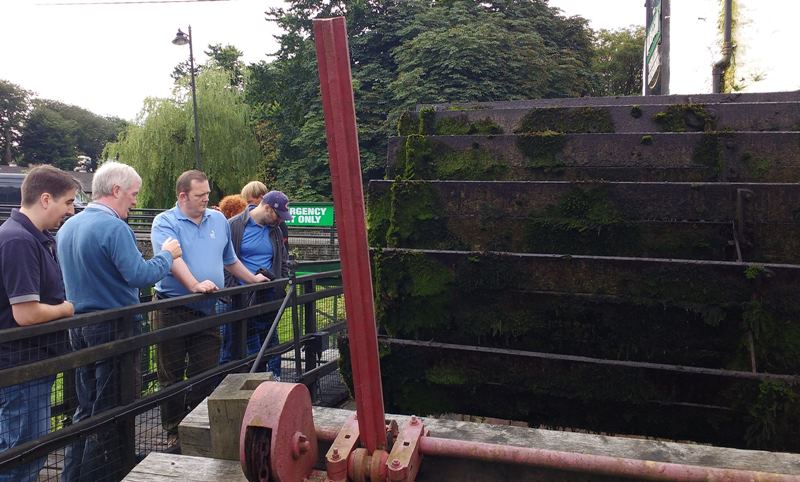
column 232, row 205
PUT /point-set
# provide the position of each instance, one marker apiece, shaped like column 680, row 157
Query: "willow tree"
column 160, row 144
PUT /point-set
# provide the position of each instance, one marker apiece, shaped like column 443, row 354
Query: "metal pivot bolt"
column 300, row 444
column 396, row 463
column 335, row 454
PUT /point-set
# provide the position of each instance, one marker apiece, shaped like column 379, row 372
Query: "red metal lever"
column 348, row 199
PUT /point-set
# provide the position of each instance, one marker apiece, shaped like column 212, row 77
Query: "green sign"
column 311, row 214
column 653, row 57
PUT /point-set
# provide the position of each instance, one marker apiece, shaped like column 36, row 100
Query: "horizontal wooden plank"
column 161, row 467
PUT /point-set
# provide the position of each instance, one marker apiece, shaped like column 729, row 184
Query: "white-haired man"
column 103, row 268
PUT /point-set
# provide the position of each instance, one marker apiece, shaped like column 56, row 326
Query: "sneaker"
column 275, row 378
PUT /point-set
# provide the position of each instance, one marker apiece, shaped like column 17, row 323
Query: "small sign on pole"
column 653, row 57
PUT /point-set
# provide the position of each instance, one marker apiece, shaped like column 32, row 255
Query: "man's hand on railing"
column 206, row 286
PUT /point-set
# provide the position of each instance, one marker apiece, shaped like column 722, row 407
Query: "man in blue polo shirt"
column 205, row 239
column 31, row 292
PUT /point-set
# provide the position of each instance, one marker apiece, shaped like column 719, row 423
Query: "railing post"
column 298, row 360
column 127, row 394
column 238, row 329
column 70, row 394
column 310, row 322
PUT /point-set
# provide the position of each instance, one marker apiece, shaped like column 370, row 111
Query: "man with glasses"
column 205, row 238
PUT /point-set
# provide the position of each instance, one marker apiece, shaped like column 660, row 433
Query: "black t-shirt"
column 29, row 271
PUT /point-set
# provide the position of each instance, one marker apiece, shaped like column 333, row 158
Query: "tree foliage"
column 160, row 145
column 617, row 61
column 227, row 58
column 42, row 131
column 49, row 138
column 92, row 131
column 406, row 52
column 14, row 109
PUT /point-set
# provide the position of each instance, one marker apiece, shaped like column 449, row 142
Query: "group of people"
column 94, row 264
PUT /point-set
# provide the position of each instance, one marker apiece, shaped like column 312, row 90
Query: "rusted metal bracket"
column 338, row 455
column 405, row 457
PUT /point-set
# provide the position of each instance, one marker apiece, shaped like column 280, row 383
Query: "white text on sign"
column 310, row 215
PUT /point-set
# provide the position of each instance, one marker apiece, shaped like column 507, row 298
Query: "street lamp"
column 183, row 39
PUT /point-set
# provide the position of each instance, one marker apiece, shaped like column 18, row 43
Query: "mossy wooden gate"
column 625, row 265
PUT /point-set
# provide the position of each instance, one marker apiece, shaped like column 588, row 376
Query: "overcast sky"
column 108, row 58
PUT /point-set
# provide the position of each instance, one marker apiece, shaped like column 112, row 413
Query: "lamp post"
column 183, row 39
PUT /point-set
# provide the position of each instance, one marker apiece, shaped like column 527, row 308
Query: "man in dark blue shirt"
column 31, row 292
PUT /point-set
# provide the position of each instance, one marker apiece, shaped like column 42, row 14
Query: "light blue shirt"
column 101, row 262
column 206, row 247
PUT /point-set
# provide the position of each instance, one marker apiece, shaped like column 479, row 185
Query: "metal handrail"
column 141, row 219
column 128, row 343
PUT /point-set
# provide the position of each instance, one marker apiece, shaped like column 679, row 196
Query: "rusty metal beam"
column 340, row 128
column 577, row 462
column 716, row 372
column 591, row 464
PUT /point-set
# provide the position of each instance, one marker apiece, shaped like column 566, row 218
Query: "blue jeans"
column 97, row 457
column 257, row 329
column 256, row 332
column 24, row 416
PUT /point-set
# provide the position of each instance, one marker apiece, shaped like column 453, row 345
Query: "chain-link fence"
column 87, row 397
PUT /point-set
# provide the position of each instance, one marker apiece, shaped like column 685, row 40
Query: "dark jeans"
column 97, row 458
column 256, row 333
column 188, row 356
column 257, row 329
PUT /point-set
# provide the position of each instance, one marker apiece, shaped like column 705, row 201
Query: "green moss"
column 427, row 121
column 708, row 152
column 647, row 140
column 775, row 409
column 419, row 155
column 776, row 337
column 636, row 111
column 410, row 283
column 415, row 216
column 756, row 168
column 425, row 158
column 685, row 118
column 407, row 124
column 542, row 149
column 754, row 271
column 462, row 126
column 584, row 222
column 473, row 165
column 445, row 374
column 378, row 212
column 566, row 120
